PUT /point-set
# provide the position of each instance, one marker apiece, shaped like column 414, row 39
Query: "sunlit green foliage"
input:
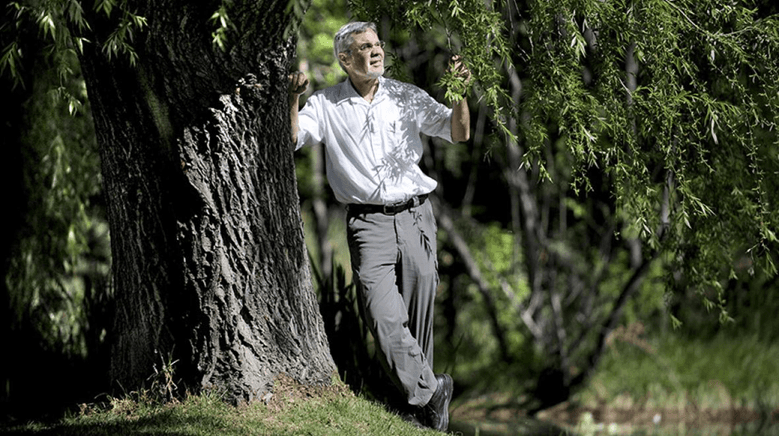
column 221, row 21
column 472, row 29
column 621, row 112
column 64, row 238
column 55, row 18
column 674, row 103
column 57, row 273
column 698, row 122
column 315, row 45
column 475, row 350
column 315, row 58
column 679, row 372
column 693, row 119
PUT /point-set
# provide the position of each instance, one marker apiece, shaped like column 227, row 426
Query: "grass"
column 681, row 385
column 328, row 412
column 670, row 385
column 677, row 372
column 682, row 379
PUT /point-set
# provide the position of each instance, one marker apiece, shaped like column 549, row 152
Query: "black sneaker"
column 435, row 414
column 412, row 419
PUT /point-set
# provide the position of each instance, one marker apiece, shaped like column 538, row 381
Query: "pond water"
column 531, row 427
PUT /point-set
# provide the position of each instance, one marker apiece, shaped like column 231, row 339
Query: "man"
column 371, row 126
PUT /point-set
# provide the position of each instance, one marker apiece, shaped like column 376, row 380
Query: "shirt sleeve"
column 309, row 131
column 434, row 118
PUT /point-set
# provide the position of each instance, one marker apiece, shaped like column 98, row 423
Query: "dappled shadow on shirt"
column 415, row 113
column 374, row 148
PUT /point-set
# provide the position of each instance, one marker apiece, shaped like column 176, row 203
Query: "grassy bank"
column 291, row 411
column 682, row 373
column 671, row 385
column 680, row 382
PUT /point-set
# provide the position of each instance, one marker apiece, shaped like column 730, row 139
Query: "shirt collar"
column 348, row 93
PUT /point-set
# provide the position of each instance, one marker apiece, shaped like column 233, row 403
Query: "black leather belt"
column 388, row 209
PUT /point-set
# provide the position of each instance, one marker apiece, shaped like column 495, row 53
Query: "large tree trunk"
column 210, row 264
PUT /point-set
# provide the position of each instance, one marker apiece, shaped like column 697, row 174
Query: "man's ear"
column 344, row 58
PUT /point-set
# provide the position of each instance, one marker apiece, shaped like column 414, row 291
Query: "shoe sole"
column 448, row 397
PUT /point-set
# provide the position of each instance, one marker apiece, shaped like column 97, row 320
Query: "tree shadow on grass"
column 164, row 422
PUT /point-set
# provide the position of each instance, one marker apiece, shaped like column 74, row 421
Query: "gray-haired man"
column 371, row 126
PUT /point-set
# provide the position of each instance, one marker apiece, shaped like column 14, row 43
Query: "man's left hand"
column 460, row 70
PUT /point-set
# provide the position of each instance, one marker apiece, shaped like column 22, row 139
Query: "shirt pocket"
column 396, row 129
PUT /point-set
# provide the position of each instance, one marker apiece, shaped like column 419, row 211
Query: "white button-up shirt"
column 373, row 149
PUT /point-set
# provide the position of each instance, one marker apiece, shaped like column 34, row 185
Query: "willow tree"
column 210, row 268
column 632, row 130
column 672, row 107
column 672, row 103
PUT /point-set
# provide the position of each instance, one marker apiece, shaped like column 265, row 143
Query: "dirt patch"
column 287, row 392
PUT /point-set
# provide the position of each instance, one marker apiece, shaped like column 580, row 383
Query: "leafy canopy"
column 675, row 101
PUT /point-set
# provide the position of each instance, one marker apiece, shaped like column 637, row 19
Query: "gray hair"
column 343, row 38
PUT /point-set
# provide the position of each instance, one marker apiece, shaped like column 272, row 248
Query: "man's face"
column 366, row 59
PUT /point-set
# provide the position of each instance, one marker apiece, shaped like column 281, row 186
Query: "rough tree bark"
column 210, row 265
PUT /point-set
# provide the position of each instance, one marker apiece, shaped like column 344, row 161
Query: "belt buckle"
column 390, row 209
column 395, row 208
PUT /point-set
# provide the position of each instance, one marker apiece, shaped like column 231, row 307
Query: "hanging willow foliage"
column 675, row 101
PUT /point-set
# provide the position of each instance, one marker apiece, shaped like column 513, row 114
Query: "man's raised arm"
column 461, row 115
column 298, row 83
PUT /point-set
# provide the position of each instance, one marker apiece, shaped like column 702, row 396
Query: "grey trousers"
column 395, row 268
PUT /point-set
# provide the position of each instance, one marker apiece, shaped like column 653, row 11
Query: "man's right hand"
column 298, row 83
